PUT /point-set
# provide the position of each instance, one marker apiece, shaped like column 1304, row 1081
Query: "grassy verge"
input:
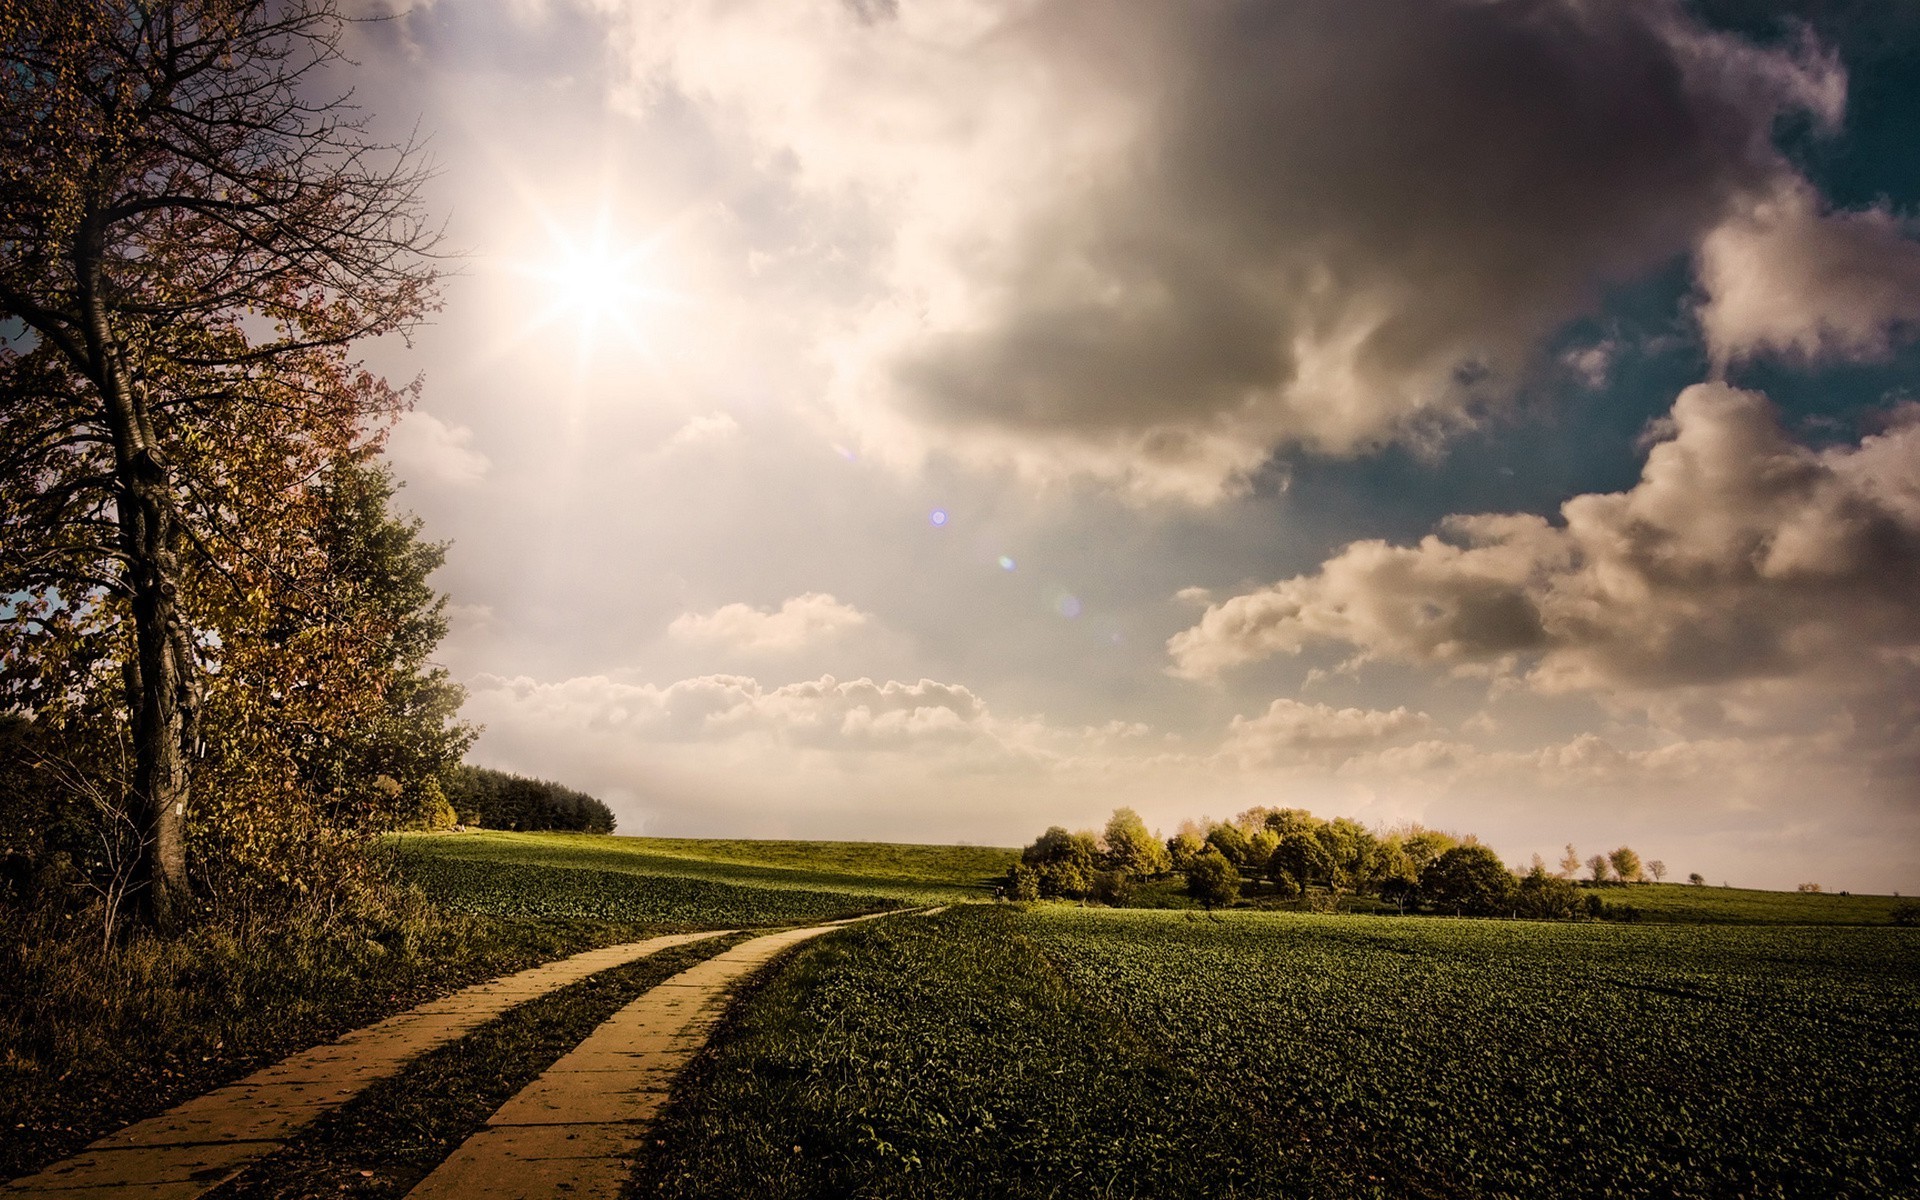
column 91, row 1039
column 943, row 1056
column 391, row 1136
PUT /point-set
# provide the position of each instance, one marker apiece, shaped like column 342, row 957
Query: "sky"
column 935, row 420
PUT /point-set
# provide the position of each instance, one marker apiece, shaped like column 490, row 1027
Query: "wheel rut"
column 575, row 1130
column 193, row 1148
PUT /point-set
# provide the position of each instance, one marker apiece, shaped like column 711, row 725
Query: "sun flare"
column 597, row 287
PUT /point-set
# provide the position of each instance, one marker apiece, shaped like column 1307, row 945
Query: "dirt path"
column 573, row 1131
column 189, row 1150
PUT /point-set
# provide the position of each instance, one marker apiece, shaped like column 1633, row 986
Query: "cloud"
column 1740, row 557
column 1787, row 278
column 858, row 713
column 1292, row 731
column 1152, row 243
column 424, row 448
column 801, row 621
column 701, row 430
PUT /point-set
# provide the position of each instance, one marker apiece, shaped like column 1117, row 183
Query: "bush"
column 1545, row 897
column 1212, row 880
column 1023, row 883
column 1116, row 887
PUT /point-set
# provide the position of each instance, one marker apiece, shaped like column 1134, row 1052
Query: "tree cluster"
column 1289, row 854
column 501, row 800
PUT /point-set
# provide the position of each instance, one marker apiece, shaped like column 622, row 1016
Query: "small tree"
column 1657, row 869
column 1131, row 848
column 1181, row 848
column 1626, row 865
column 1696, row 879
column 1569, row 862
column 1212, row 880
column 1598, row 865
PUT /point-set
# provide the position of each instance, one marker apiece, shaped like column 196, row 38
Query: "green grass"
column 919, row 874
column 1484, row 1058
column 1681, row 903
column 387, row 1139
column 943, row 1057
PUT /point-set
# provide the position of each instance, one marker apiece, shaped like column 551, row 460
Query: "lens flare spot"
column 1067, row 606
column 1006, row 564
column 938, row 516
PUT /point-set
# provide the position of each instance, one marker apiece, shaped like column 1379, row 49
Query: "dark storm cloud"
column 1325, row 223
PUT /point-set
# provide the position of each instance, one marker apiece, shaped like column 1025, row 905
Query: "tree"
column 1131, row 848
column 1569, row 862
column 1299, row 861
column 1231, row 841
column 501, row 800
column 1657, row 869
column 1182, row 846
column 1212, row 880
column 1064, row 863
column 192, row 245
column 409, row 741
column 1626, row 865
column 1598, row 865
column 1697, row 879
column 1468, row 880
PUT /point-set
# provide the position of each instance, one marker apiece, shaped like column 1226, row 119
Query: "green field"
column 1682, row 903
column 681, row 882
column 991, row 1051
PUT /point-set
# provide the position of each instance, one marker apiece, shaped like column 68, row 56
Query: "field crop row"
column 1469, row 1058
column 942, row 1057
column 521, row 890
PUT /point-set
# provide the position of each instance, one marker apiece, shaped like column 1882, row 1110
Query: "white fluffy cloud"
column 799, row 622
column 1787, row 278
column 423, row 448
column 1153, row 242
column 1741, row 558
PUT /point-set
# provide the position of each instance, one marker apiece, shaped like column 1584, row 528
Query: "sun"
column 595, row 287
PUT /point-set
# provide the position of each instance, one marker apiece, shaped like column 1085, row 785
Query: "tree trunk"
column 162, row 691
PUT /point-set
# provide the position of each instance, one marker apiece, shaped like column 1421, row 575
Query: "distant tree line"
column 1288, row 854
column 502, row 800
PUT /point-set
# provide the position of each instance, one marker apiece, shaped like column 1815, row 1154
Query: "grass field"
column 876, row 873
column 1686, row 904
column 1064, row 1051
